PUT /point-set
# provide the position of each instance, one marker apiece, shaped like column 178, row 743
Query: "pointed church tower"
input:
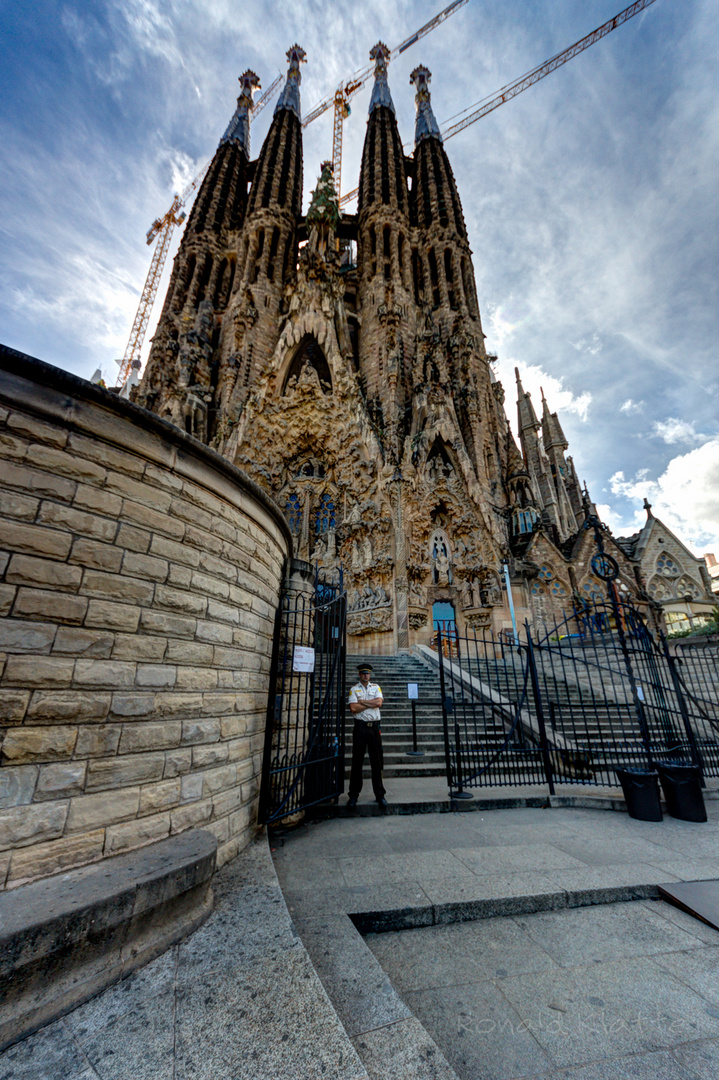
column 383, row 257
column 267, row 253
column 441, row 263
column 180, row 376
column 569, row 495
column 536, row 458
column 450, row 347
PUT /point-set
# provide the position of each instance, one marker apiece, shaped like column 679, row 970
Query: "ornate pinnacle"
column 425, row 127
column 238, row 129
column 249, row 82
column 380, row 91
column 290, row 96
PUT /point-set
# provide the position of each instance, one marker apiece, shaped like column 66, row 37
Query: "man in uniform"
column 365, row 702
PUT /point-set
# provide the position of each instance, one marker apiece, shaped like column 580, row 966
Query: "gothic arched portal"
column 309, row 355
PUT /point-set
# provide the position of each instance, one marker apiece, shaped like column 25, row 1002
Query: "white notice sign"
column 412, row 690
column 303, row 658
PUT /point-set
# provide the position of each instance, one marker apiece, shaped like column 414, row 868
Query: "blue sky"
column 591, row 199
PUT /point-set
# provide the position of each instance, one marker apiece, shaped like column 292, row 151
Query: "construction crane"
column 349, row 87
column 532, row 77
column 481, row 108
column 164, row 227
column 162, row 230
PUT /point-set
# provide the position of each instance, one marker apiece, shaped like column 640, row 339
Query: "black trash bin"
column 641, row 793
column 682, row 787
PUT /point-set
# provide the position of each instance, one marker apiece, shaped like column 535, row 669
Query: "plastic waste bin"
column 682, row 787
column 641, row 793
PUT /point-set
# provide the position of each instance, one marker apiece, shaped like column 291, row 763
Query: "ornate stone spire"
column 238, row 129
column 380, row 91
column 290, row 96
column 425, row 126
column 552, row 434
column 527, row 416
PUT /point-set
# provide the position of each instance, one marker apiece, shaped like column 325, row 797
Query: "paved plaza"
column 523, row 942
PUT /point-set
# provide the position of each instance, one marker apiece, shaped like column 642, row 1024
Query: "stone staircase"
column 393, row 673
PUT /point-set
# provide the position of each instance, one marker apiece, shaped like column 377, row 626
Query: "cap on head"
column 361, row 668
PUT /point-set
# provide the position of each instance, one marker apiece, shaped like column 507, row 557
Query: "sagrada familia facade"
column 356, row 388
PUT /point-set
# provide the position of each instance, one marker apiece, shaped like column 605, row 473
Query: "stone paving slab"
column 534, row 876
column 237, row 1000
column 246, row 997
column 591, row 993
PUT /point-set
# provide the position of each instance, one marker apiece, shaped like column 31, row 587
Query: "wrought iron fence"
column 574, row 701
column 303, row 760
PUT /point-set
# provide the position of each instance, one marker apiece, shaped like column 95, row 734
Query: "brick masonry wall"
column 139, row 576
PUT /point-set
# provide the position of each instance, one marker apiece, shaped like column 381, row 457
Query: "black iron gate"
column 574, row 701
column 303, row 760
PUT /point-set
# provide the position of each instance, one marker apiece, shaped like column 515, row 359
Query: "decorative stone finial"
column 648, row 507
column 425, row 126
column 238, row 129
column 380, row 91
column 324, row 208
column 290, row 96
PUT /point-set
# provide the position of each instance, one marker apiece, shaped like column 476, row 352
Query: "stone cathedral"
column 339, row 360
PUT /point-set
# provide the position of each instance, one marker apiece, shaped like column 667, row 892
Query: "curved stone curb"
column 66, row 938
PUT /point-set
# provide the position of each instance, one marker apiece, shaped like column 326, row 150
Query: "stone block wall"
column 139, row 577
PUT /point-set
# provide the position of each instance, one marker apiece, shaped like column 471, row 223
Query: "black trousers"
column 366, row 737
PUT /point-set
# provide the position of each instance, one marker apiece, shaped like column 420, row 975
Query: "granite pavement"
column 521, row 939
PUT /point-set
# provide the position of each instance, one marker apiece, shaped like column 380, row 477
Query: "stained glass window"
column 293, row 513
column 325, row 515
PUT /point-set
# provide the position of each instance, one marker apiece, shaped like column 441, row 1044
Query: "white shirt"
column 366, row 693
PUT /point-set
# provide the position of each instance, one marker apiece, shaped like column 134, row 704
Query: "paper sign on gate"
column 303, row 659
column 412, row 690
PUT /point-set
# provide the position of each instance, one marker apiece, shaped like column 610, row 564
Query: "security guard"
column 365, row 702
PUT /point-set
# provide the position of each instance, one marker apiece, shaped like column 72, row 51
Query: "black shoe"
column 351, row 802
column 382, row 803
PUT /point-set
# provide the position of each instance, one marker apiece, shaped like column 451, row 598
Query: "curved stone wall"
column 139, row 577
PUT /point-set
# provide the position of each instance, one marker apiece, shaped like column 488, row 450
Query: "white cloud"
column 685, row 496
column 535, row 380
column 590, row 346
column 673, row 430
column 630, row 406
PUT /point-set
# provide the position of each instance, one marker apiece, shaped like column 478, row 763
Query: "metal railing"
column 303, row 760
column 574, row 701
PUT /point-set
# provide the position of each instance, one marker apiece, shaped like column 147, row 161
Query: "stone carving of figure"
column 356, row 557
column 417, row 594
column 465, row 592
column 355, row 517
column 442, row 567
column 477, row 593
column 494, row 593
column 320, row 549
column 367, row 553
